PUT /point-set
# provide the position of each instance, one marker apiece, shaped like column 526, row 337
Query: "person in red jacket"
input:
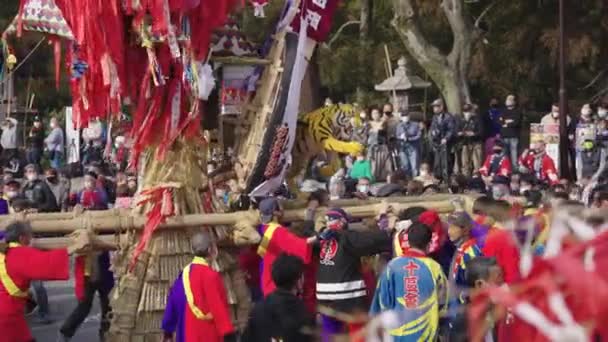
column 496, row 241
column 496, row 164
column 197, row 306
column 21, row 264
column 539, row 163
column 276, row 240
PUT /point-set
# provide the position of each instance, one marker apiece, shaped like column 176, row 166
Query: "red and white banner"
column 319, row 14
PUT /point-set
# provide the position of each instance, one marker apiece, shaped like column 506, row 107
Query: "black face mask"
column 51, row 179
column 388, row 113
column 497, row 151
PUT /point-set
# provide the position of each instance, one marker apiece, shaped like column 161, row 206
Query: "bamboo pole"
column 122, row 219
column 358, row 212
column 287, row 205
column 120, row 222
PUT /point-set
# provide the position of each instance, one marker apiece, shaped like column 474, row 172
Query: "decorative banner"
column 280, row 159
column 41, row 16
column 319, row 15
column 550, row 135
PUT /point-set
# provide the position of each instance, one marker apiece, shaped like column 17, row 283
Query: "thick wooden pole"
column 120, row 222
column 112, row 221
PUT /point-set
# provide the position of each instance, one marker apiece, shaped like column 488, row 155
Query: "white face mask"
column 89, row 185
column 363, row 188
column 524, row 189
column 31, row 177
column 467, row 115
column 11, row 194
column 555, row 114
column 363, row 116
column 602, row 113
column 424, row 173
column 219, row 193
column 405, row 119
column 510, row 103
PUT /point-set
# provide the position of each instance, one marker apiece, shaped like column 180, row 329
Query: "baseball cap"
column 336, row 214
column 460, row 219
column 267, row 208
column 437, row 102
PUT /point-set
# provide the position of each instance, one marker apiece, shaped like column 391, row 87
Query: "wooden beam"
column 117, row 221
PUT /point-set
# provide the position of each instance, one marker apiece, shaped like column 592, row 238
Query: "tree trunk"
column 448, row 72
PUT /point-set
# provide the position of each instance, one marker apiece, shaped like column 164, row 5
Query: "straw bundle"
column 139, row 299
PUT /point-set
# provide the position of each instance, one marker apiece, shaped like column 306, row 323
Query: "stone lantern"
column 401, row 86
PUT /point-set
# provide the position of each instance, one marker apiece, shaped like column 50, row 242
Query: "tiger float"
column 324, row 131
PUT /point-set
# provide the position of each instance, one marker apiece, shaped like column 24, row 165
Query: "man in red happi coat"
column 21, row 264
column 197, row 307
column 276, row 240
column 540, row 164
column 496, row 164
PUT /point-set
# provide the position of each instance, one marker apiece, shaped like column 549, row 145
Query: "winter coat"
column 443, row 126
column 471, row 125
column 511, row 129
column 40, row 195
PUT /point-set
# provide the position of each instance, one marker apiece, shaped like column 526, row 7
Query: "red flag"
column 319, row 14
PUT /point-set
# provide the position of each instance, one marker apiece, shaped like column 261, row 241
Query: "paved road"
column 62, row 300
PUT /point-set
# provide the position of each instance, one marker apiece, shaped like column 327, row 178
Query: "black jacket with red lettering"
column 340, row 284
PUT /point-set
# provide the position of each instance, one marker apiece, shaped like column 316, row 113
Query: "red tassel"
column 57, row 50
column 20, row 18
column 167, row 203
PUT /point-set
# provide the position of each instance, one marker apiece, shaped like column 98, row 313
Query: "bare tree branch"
column 484, row 12
column 337, row 34
column 595, row 79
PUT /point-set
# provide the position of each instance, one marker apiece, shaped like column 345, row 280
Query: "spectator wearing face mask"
column 408, row 135
column 391, row 121
column 38, row 192
column 35, row 142
column 59, row 186
column 442, row 132
column 510, row 130
column 8, row 140
column 91, row 197
column 469, row 134
column 538, row 163
column 12, row 192
column 55, row 144
column 363, row 188
column 498, row 163
column 586, row 119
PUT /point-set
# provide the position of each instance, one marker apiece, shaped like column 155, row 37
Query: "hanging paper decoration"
column 258, row 8
column 40, row 16
column 206, row 82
